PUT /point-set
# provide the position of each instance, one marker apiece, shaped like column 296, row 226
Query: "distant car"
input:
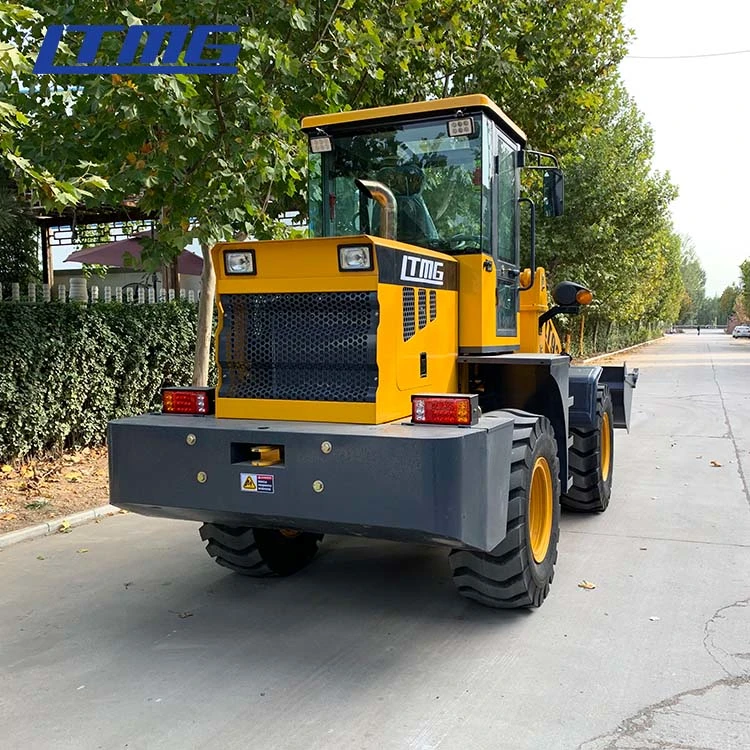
column 741, row 332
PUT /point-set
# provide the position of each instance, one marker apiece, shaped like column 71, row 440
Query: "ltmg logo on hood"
column 425, row 270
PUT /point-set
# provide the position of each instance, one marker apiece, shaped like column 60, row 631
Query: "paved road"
column 143, row 643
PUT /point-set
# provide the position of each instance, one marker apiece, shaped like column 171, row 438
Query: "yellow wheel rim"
column 540, row 509
column 606, row 446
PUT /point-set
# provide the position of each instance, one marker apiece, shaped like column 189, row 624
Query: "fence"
column 77, row 291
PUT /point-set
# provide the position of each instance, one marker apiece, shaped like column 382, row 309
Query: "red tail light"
column 193, row 400
column 445, row 409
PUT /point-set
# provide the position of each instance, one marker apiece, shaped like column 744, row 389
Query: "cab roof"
column 415, row 110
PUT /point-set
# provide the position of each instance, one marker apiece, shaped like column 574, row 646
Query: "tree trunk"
column 580, row 338
column 205, row 319
column 171, row 278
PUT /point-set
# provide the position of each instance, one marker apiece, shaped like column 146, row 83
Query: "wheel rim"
column 606, row 446
column 540, row 509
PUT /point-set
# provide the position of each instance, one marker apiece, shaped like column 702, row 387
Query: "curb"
column 51, row 527
column 622, row 351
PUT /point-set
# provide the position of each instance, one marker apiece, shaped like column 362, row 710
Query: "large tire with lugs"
column 518, row 572
column 591, row 459
column 259, row 552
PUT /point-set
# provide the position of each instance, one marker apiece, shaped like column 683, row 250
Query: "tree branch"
column 324, row 32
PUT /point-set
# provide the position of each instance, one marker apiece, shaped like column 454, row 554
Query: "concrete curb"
column 51, row 527
column 621, row 351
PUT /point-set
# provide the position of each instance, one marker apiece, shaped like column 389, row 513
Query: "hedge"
column 67, row 369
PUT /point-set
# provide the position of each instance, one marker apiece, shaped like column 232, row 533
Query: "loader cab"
column 441, row 175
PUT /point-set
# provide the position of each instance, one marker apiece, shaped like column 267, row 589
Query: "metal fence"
column 78, row 291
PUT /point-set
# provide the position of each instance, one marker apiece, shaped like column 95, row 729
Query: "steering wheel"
column 462, row 241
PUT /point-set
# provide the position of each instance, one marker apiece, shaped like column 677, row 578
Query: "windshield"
column 439, row 182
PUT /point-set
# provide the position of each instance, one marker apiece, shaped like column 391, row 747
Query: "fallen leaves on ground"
column 181, row 615
column 81, row 551
column 37, row 489
column 586, row 585
column 65, row 527
column 715, row 464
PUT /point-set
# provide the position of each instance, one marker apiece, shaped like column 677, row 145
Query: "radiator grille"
column 305, row 346
column 422, row 308
column 410, row 326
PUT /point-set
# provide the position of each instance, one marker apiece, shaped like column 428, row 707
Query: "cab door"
column 505, row 236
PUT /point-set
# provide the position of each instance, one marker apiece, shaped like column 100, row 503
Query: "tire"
column 591, row 460
column 259, row 552
column 518, row 572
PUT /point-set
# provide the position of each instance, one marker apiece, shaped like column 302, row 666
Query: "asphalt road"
column 142, row 642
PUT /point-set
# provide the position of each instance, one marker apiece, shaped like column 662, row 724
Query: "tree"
column 726, row 303
column 18, row 240
column 694, row 281
column 616, row 234
column 745, row 283
column 740, row 312
column 221, row 156
column 16, row 55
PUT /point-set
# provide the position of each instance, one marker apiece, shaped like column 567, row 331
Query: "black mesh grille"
column 306, row 346
column 433, row 305
column 410, row 327
column 422, row 308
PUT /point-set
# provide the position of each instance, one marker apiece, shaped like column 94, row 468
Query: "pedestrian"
column 699, row 330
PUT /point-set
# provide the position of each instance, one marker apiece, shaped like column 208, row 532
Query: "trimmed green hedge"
column 66, row 369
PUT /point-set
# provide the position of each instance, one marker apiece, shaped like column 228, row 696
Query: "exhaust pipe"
column 388, row 206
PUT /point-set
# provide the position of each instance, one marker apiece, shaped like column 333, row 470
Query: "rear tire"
column 519, row 571
column 591, row 459
column 259, row 552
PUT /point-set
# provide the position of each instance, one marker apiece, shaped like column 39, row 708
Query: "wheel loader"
column 397, row 374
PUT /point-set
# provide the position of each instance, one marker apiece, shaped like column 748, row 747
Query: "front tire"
column 591, row 460
column 259, row 552
column 518, row 572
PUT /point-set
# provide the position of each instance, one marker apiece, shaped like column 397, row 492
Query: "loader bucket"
column 621, row 383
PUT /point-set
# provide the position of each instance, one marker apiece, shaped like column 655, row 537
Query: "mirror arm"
column 539, row 155
column 558, row 310
column 533, row 243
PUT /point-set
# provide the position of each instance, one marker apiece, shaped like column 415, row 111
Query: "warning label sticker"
column 256, row 483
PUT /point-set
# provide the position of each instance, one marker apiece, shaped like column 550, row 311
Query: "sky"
column 700, row 113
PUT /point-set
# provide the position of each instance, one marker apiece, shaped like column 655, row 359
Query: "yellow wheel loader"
column 397, row 375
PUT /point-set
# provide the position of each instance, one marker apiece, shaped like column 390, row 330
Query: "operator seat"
column 414, row 225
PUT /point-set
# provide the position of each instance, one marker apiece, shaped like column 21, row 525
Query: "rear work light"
column 191, row 400
column 455, row 409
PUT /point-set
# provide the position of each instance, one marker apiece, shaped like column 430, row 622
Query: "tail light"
column 455, row 409
column 192, row 400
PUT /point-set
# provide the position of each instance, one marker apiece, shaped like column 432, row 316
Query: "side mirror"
column 568, row 294
column 569, row 297
column 554, row 192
